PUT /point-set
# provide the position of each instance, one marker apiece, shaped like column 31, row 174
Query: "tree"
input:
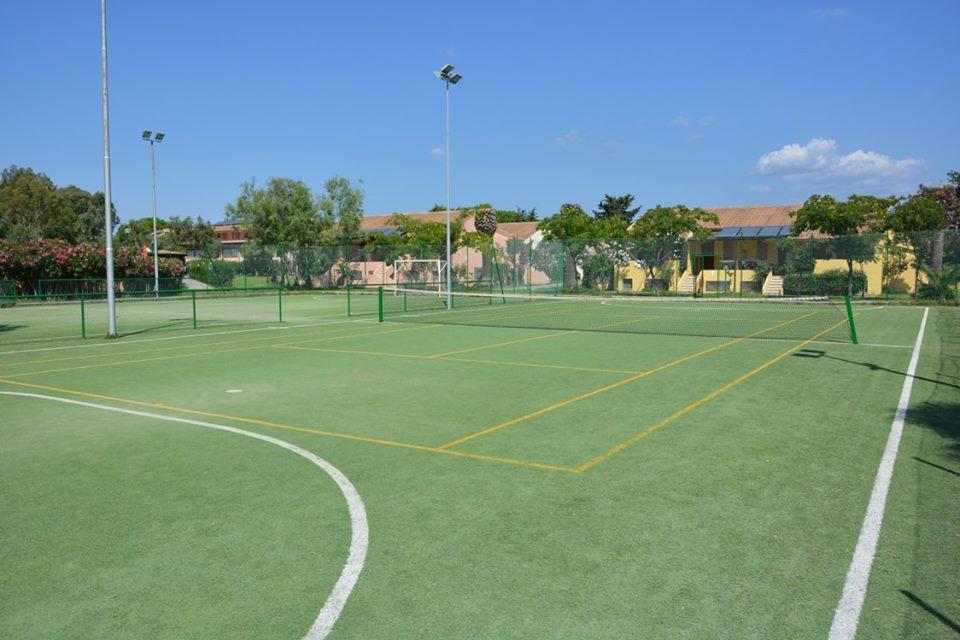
column 285, row 214
column 616, row 207
column 139, row 232
column 517, row 215
column 844, row 222
column 189, row 235
column 86, row 219
column 31, row 207
column 572, row 227
column 342, row 208
column 658, row 235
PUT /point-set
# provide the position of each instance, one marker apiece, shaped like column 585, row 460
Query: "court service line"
column 702, row 401
column 359, row 529
column 182, row 356
column 620, row 383
column 847, row 615
column 632, row 320
column 121, row 353
column 413, row 356
column 204, row 334
column 289, row 427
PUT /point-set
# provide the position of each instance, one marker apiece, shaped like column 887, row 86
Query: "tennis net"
column 770, row 318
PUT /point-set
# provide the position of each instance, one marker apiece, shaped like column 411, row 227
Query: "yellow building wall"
column 638, row 276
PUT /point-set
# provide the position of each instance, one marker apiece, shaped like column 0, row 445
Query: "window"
column 730, row 249
column 478, row 273
column 231, row 252
column 194, row 253
column 762, row 249
column 628, row 284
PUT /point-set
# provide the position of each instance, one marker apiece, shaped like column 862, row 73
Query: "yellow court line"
column 192, row 345
column 414, row 356
column 206, row 353
column 290, row 427
column 620, row 383
column 550, row 335
column 503, row 344
column 702, row 401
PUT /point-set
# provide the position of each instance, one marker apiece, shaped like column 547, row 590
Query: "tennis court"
column 516, row 467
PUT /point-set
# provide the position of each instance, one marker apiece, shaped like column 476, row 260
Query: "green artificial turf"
column 734, row 517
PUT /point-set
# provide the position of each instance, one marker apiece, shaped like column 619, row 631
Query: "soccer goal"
column 417, row 273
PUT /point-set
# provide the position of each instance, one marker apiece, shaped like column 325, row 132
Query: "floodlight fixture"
column 447, row 68
column 159, row 137
column 147, row 134
column 455, row 78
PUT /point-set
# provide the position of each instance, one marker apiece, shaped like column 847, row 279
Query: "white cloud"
column 820, row 161
column 570, row 137
column 870, row 163
column 761, row 188
column 706, row 121
column 681, row 121
column 436, row 152
column 798, row 158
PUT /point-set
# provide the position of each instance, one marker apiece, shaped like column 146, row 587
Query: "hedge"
column 215, row 273
column 828, row 283
column 28, row 262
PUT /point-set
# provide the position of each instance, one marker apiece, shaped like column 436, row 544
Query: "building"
column 742, row 240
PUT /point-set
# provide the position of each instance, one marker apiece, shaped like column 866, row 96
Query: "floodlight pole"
column 107, row 199
column 156, row 259
column 446, row 157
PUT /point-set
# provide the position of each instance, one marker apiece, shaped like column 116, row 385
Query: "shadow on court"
column 931, row 610
column 816, row 353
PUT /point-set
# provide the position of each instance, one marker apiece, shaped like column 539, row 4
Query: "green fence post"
column 280, row 303
column 379, row 304
column 348, row 299
column 853, row 327
column 83, row 319
column 193, row 303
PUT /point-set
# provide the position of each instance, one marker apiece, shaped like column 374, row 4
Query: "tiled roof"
column 521, row 230
column 379, row 222
column 758, row 216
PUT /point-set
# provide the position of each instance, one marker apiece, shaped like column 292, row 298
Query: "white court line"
column 277, row 327
column 360, row 535
column 847, row 615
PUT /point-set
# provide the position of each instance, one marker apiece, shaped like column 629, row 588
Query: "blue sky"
column 697, row 103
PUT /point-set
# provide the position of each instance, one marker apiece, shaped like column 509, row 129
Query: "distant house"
column 232, row 237
column 744, row 237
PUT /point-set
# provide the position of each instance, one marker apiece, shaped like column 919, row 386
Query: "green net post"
column 404, row 299
column 193, row 304
column 348, row 299
column 83, row 319
column 280, row 304
column 380, row 304
column 853, row 327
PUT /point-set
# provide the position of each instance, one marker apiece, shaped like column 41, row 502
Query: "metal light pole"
column 448, row 78
column 153, row 166
column 107, row 199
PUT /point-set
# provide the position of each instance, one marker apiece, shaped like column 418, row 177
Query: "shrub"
column 29, row 262
column 828, row 283
column 940, row 284
column 214, row 273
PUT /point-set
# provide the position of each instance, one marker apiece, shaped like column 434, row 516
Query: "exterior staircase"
column 687, row 284
column 773, row 285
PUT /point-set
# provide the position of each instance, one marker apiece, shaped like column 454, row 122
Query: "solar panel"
column 750, row 232
column 727, row 232
column 770, row 232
